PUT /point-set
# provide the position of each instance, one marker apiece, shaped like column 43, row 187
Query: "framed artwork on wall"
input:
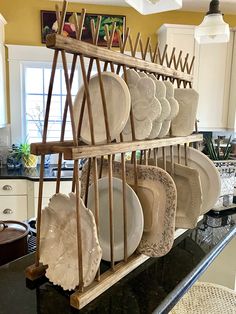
column 49, row 25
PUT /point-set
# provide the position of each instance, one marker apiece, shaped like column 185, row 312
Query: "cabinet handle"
column 7, row 187
column 7, row 211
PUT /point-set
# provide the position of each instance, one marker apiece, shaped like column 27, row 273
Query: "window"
column 29, row 75
column 36, row 81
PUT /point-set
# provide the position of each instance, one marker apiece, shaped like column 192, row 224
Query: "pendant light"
column 154, row 6
column 213, row 29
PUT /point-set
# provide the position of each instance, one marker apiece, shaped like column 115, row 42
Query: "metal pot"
column 13, row 240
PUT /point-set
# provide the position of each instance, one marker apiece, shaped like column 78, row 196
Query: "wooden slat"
column 109, row 278
column 71, row 45
column 71, row 152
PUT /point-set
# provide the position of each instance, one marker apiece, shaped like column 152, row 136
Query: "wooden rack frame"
column 174, row 68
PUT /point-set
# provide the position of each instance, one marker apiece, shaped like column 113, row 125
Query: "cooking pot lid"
column 12, row 230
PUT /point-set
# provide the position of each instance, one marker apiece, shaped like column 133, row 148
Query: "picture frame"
column 49, row 25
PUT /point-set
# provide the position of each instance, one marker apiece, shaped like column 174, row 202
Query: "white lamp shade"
column 154, row 6
column 213, row 29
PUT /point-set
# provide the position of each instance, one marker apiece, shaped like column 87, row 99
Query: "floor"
column 223, row 270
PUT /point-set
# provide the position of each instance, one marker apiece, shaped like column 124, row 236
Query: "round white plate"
column 118, row 107
column 58, row 242
column 134, row 218
column 209, row 176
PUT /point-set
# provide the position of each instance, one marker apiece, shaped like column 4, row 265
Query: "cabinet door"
column 13, row 207
column 179, row 36
column 212, row 81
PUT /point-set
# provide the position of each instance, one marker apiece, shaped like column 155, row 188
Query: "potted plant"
column 220, row 154
column 23, row 152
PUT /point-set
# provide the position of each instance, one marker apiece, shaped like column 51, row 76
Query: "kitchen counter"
column 154, row 287
column 31, row 174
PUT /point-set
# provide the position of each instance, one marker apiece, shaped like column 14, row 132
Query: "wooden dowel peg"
column 38, row 221
column 87, row 183
column 87, row 93
column 164, row 157
column 162, row 58
column 186, row 154
column 171, row 160
column 134, row 157
column 104, row 103
column 62, row 18
column 101, row 166
column 110, row 178
column 90, row 67
column 124, row 206
column 96, row 197
column 145, row 157
column 79, row 230
column 79, row 24
column 155, row 54
column 136, row 43
column 178, row 60
column 155, row 152
column 179, row 153
column 146, row 48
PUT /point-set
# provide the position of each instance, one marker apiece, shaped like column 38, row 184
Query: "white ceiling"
column 226, row 6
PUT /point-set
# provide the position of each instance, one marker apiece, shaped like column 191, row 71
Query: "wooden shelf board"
column 85, row 151
column 74, row 46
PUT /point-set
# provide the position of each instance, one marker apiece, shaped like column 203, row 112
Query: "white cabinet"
column 49, row 188
column 179, row 36
column 3, row 118
column 13, row 200
column 212, row 72
column 19, row 197
column 232, row 94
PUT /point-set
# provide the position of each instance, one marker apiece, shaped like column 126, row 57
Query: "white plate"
column 58, row 242
column 118, row 107
column 157, row 194
column 134, row 218
column 209, row 175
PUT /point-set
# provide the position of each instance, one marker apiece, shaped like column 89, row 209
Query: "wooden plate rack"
column 176, row 69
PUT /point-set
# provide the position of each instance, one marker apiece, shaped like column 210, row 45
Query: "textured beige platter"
column 184, row 123
column 58, row 242
column 189, row 195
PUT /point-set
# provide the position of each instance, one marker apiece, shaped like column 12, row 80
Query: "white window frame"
column 18, row 56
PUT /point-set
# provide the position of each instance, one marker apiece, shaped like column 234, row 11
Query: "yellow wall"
column 23, row 17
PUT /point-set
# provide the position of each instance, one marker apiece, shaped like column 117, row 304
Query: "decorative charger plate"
column 145, row 106
column 134, row 218
column 189, row 195
column 209, row 175
column 58, row 242
column 118, row 107
column 158, row 196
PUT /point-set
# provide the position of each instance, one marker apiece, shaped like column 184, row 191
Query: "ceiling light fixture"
column 154, row 6
column 213, row 29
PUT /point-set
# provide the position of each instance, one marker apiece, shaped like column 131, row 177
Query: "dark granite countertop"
column 154, row 287
column 30, row 174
